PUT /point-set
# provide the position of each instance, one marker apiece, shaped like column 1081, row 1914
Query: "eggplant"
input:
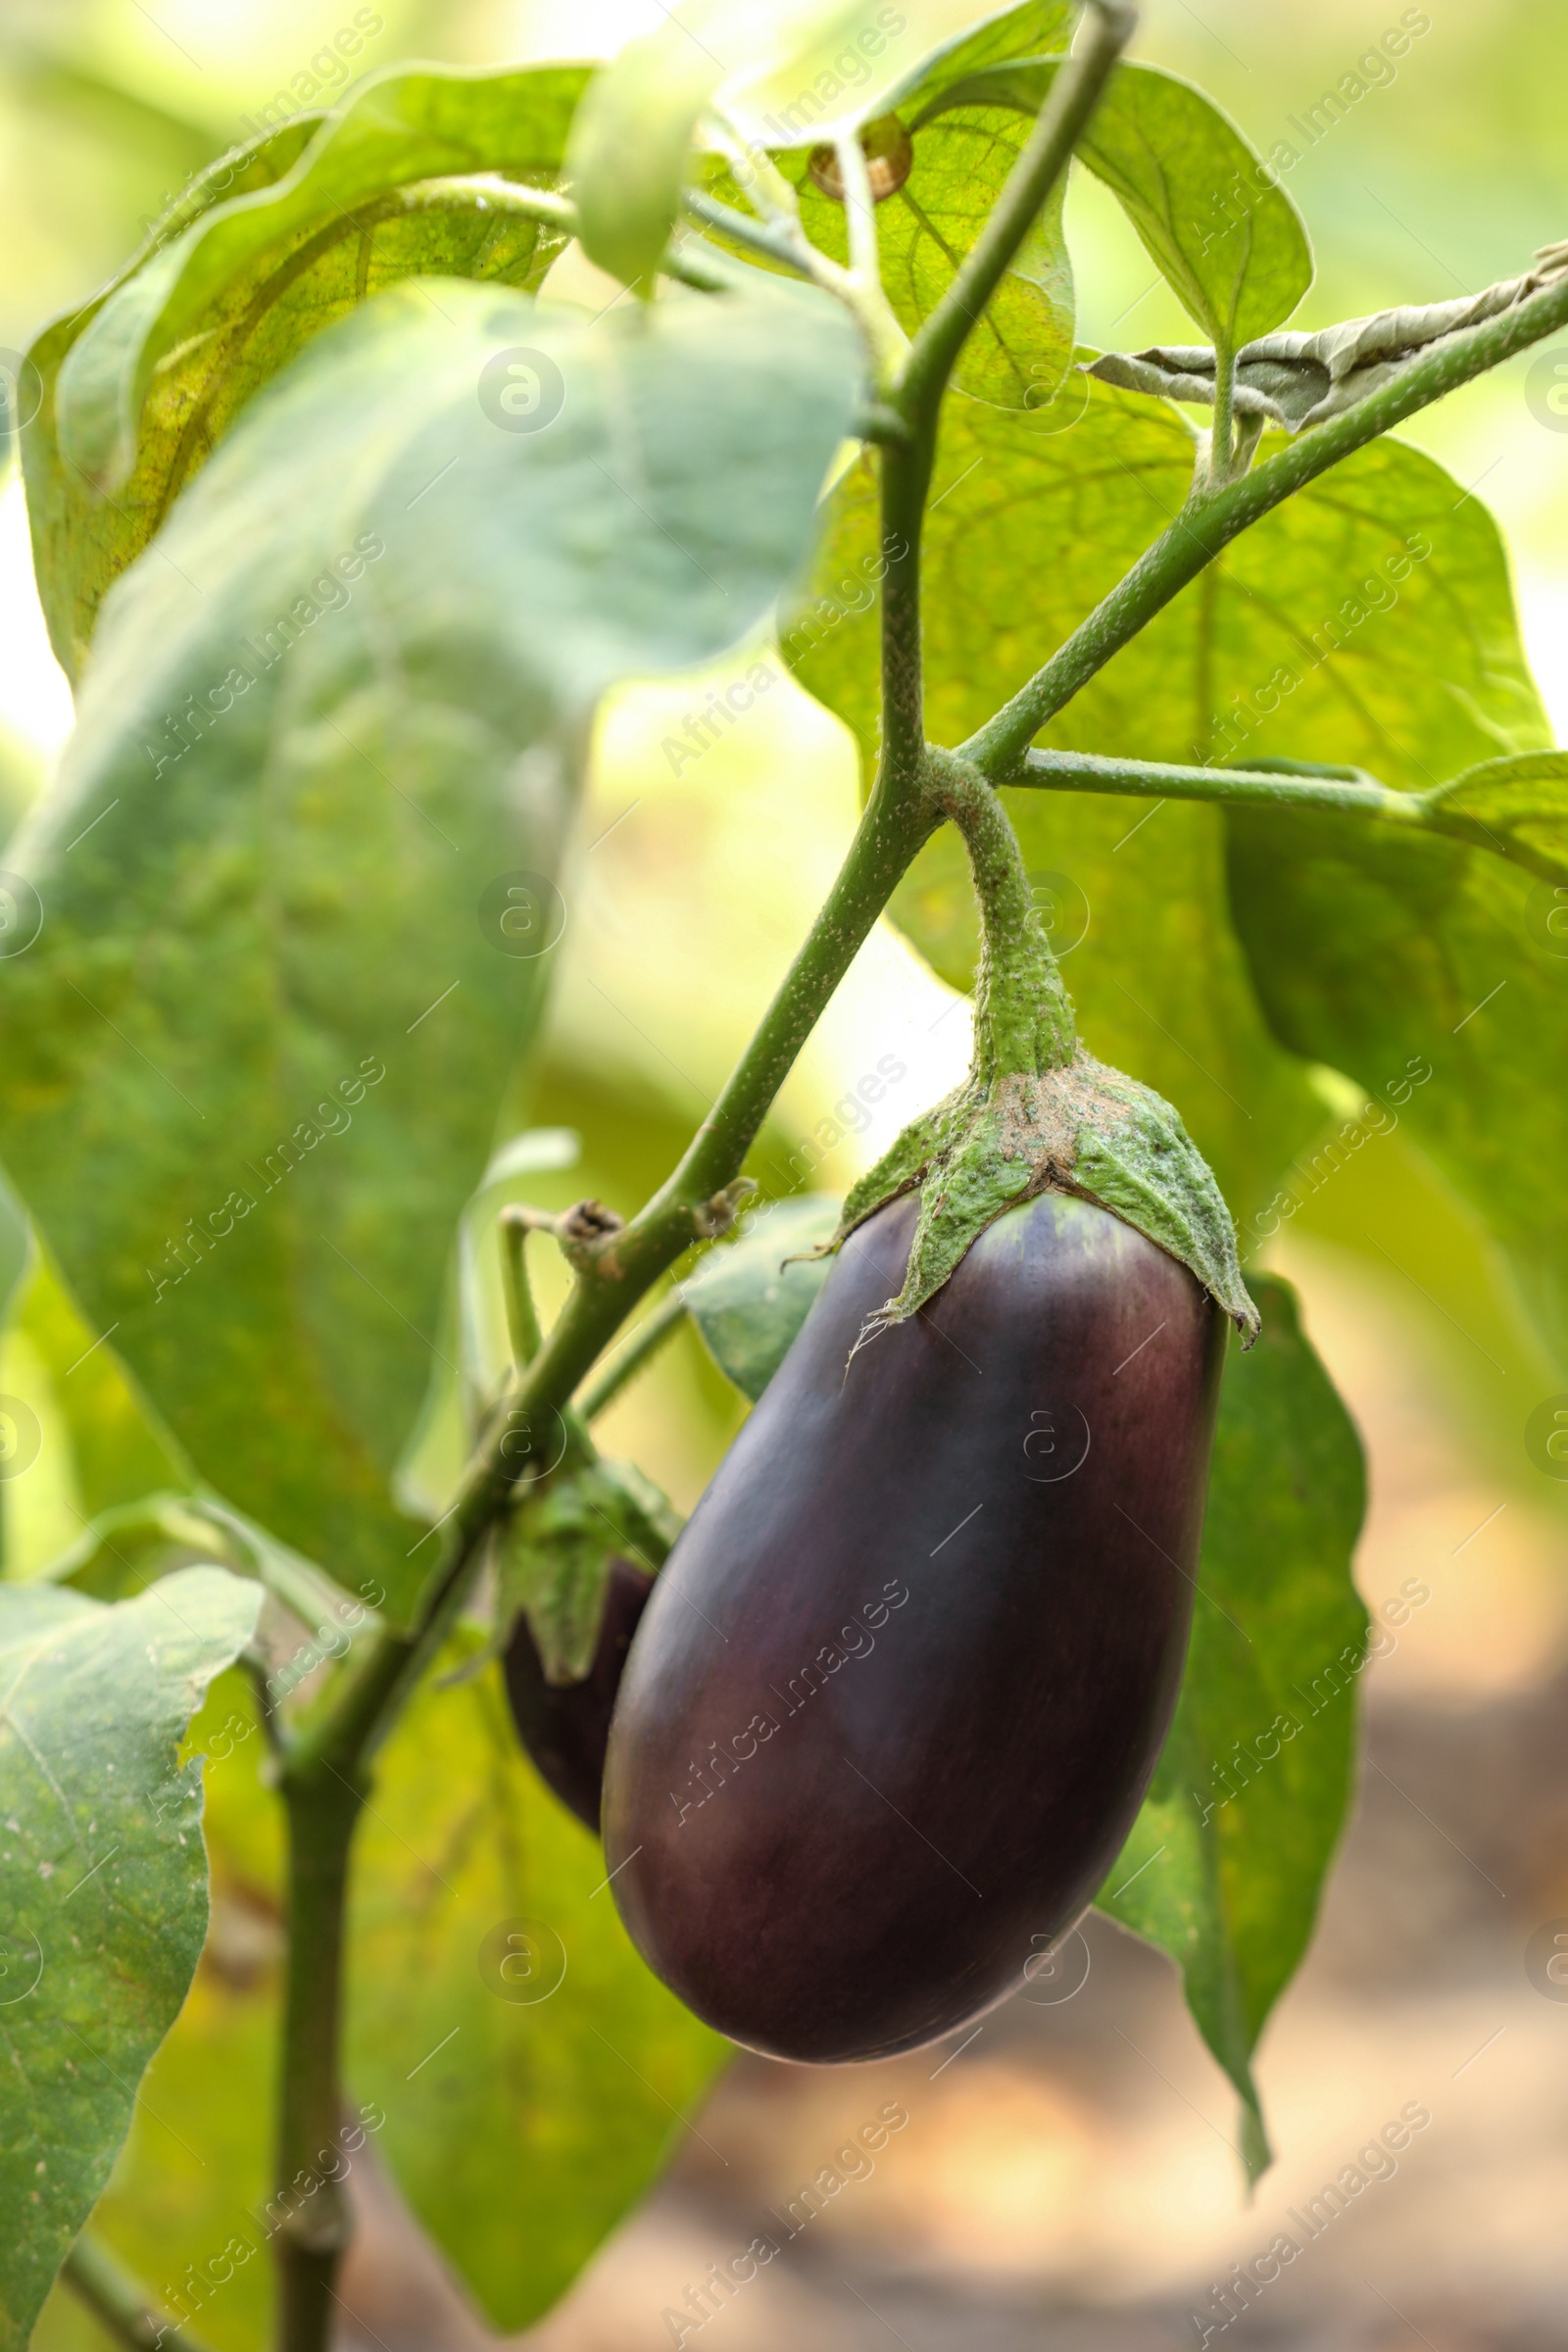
column 896, row 1701
column 564, row 1726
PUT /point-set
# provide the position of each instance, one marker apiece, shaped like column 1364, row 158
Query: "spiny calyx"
column 1038, row 1112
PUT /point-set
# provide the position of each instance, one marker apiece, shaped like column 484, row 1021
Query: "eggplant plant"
column 345, row 518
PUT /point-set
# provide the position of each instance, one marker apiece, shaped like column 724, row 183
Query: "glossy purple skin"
column 565, row 1725
column 853, row 1860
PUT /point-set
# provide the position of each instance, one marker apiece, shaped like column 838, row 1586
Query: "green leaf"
column 803, row 109
column 117, row 1452
column 1225, row 1865
column 627, row 160
column 1020, row 350
column 1367, row 622
column 81, row 542
column 750, row 1299
column 960, row 152
column 1038, row 29
column 195, row 2171
column 1226, row 238
column 542, row 2101
column 632, row 138
column 16, row 1246
column 553, row 1556
column 1437, row 976
column 1517, row 805
column 139, row 388
column 253, row 1059
column 96, row 1813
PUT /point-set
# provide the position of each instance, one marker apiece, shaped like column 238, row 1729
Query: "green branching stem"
column 322, row 1806
column 1044, row 157
column 785, row 243
column 698, row 1201
column 120, row 2304
column 636, row 1351
column 1289, row 785
column 1207, row 525
column 1286, row 785
column 514, row 1226
column 918, row 396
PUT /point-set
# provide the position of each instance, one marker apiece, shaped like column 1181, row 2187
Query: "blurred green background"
column 688, row 891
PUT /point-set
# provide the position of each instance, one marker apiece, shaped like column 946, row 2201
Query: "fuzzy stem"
column 1221, row 455
column 1023, row 1020
column 907, row 465
column 1062, row 120
column 322, row 1809
column 515, row 1225
column 640, row 1347
column 1296, row 786
column 1205, row 528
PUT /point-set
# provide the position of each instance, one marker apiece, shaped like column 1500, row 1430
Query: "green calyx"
column 553, row 1556
column 1038, row 1113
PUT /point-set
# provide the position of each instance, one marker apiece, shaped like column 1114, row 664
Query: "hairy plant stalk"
column 917, row 397
column 1205, row 527
column 322, row 1808
column 637, row 1352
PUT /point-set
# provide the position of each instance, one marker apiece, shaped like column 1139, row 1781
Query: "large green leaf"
column 80, row 541
column 532, row 2086
column 1421, row 960
column 1385, row 561
column 960, row 155
column 1231, row 245
column 98, row 1815
column 295, row 231
column 15, row 1242
column 1226, row 1861
column 253, row 1062
column 116, row 1453
column 1220, row 228
column 195, row 2172
column 1518, row 805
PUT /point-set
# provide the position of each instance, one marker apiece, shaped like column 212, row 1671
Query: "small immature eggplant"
column 897, row 1696
column 564, row 1726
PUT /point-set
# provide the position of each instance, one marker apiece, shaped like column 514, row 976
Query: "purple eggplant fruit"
column 564, row 1726
column 897, row 1696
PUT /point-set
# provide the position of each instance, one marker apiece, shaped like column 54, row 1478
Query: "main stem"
column 322, row 1809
